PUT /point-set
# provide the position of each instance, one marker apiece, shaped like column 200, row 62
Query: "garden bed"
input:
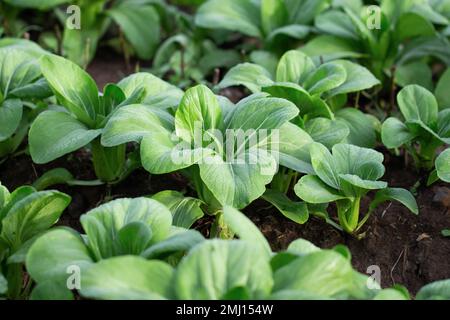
column 130, row 125
column 409, row 249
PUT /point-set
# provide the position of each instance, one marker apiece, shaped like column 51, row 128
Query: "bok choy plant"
column 344, row 177
column 138, row 227
column 25, row 214
column 229, row 152
column 319, row 91
column 22, row 91
column 233, row 269
column 85, row 24
column 84, row 114
column 384, row 37
column 424, row 129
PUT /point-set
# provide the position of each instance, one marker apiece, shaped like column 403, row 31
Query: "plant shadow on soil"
column 409, row 249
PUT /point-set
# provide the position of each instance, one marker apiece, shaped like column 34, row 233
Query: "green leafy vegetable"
column 344, row 177
column 25, row 214
column 424, row 128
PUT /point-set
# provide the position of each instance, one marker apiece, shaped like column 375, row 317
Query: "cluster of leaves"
column 22, row 91
column 319, row 91
column 425, row 128
column 83, row 113
column 394, row 35
column 139, row 227
column 219, row 178
column 344, row 177
column 324, row 149
column 139, row 23
column 25, row 215
column 131, row 251
column 144, row 109
column 275, row 22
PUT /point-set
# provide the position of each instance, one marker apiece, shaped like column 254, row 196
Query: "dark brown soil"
column 111, row 68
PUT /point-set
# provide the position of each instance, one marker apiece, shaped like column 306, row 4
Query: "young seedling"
column 25, row 214
column 344, row 177
column 424, row 128
column 191, row 58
